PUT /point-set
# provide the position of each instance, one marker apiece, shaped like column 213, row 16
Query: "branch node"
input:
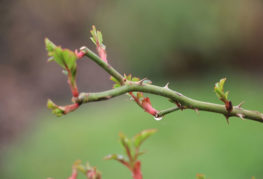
column 229, row 106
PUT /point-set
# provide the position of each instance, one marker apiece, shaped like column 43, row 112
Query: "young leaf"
column 58, row 112
column 51, row 104
column 50, row 46
column 219, row 90
column 200, row 176
column 125, row 141
column 142, row 136
column 77, row 164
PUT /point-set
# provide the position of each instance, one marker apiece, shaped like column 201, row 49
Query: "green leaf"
column 114, row 80
column 116, row 85
column 51, row 104
column 63, row 57
column 135, row 79
column 93, row 40
column 50, row 46
column 219, row 90
column 99, row 34
column 142, row 136
column 125, row 141
column 58, row 112
column 96, row 37
column 77, row 164
column 69, row 58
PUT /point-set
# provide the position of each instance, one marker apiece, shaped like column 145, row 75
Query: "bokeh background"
column 189, row 43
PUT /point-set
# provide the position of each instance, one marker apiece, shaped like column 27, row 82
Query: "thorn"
column 82, row 48
column 227, row 119
column 166, row 86
column 197, row 111
column 241, row 116
column 108, row 97
column 240, row 105
column 141, row 81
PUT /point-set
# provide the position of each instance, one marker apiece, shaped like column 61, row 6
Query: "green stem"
column 178, row 98
column 167, row 111
column 107, row 67
column 186, row 102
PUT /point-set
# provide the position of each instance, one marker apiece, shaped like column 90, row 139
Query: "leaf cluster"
column 63, row 57
column 131, row 147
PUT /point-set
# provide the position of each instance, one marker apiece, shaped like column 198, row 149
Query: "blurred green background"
column 191, row 44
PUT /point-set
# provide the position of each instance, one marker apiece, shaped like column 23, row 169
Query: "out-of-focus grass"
column 186, row 143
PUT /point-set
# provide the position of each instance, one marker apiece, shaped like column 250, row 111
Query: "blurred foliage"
column 178, row 36
column 186, row 143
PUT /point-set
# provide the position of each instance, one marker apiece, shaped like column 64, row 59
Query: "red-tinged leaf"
column 142, row 136
column 147, row 106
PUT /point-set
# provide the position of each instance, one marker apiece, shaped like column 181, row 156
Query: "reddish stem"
column 136, row 99
column 136, row 173
column 73, row 87
column 70, row 108
column 74, row 174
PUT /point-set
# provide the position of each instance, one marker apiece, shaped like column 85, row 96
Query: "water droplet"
column 158, row 118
